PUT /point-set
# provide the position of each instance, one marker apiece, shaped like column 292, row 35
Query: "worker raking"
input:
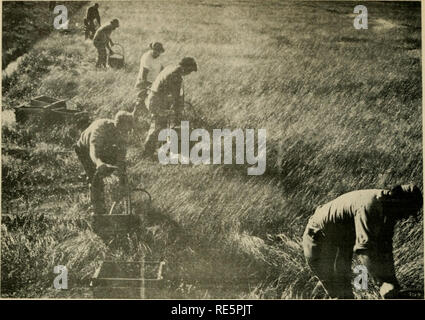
column 222, row 144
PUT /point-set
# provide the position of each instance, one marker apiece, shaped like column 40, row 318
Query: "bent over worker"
column 102, row 42
column 362, row 222
column 92, row 15
column 101, row 150
column 164, row 97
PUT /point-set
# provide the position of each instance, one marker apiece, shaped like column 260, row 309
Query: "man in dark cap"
column 92, row 15
column 165, row 97
column 362, row 222
column 101, row 150
column 102, row 41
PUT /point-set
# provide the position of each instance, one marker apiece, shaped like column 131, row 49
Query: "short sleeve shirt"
column 154, row 66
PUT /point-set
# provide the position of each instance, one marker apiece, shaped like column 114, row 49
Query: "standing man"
column 101, row 150
column 102, row 41
column 362, row 222
column 92, row 14
column 164, row 97
column 150, row 67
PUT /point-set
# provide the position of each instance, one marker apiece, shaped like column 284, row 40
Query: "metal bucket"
column 116, row 60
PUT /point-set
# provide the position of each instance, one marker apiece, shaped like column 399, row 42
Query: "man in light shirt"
column 150, row 67
column 360, row 222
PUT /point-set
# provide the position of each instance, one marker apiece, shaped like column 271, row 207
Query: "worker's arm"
column 109, row 43
column 144, row 79
column 382, row 272
column 374, row 248
column 98, row 17
column 98, row 141
column 390, row 285
column 379, row 266
column 177, row 99
column 103, row 169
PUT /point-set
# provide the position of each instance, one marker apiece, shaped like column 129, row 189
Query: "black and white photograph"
column 212, row 149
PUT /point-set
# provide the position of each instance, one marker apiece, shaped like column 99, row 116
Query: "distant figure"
column 92, row 15
column 150, row 67
column 102, row 41
column 164, row 97
column 101, row 150
column 361, row 222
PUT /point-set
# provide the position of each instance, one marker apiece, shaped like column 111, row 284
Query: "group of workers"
column 102, row 147
column 360, row 222
column 101, row 35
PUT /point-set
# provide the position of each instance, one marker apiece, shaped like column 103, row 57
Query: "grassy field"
column 342, row 109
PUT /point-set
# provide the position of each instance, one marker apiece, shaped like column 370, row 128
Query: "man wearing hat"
column 102, row 41
column 150, row 67
column 164, row 97
column 362, row 222
column 101, row 149
column 92, row 15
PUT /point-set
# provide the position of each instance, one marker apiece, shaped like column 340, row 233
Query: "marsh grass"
column 342, row 109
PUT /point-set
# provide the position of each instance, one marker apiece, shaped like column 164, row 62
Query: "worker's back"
column 168, row 81
column 102, row 34
column 354, row 216
column 104, row 136
column 345, row 206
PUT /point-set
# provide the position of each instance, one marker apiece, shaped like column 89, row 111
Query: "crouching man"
column 362, row 222
column 101, row 150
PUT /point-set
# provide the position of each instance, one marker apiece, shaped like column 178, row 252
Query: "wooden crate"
column 128, row 280
column 49, row 109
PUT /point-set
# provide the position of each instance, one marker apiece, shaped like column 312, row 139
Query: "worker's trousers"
column 101, row 55
column 142, row 94
column 97, row 187
column 156, row 104
column 89, row 29
column 330, row 261
column 157, row 124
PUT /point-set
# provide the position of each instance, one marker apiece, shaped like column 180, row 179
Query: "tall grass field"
column 341, row 106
